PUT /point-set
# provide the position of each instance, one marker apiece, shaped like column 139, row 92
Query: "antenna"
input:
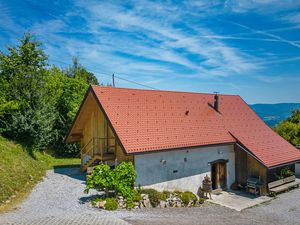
column 113, row 79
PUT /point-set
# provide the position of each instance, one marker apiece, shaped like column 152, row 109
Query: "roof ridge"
column 169, row 91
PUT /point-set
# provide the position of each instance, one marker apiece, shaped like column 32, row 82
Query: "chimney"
column 216, row 102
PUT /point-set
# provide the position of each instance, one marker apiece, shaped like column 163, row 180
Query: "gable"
column 82, row 117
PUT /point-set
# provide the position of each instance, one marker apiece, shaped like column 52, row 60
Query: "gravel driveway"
column 59, row 199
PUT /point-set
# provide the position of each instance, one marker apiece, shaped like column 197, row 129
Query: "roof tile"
column 147, row 120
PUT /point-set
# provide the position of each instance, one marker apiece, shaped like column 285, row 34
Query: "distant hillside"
column 273, row 114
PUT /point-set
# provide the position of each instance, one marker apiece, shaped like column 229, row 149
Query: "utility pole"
column 113, row 79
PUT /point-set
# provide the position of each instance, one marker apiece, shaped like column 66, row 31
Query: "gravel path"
column 59, row 199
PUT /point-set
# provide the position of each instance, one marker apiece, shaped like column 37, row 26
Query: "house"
column 174, row 139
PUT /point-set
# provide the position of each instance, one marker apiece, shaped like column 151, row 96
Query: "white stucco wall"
column 152, row 173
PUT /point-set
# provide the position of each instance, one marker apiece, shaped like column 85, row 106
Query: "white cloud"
column 268, row 34
column 152, row 43
column 261, row 6
column 293, row 18
column 215, row 54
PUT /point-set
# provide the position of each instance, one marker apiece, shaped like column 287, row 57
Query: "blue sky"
column 245, row 47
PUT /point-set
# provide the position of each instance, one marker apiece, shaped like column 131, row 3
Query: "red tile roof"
column 147, row 120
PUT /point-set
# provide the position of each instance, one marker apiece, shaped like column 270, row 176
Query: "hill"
column 19, row 171
column 273, row 114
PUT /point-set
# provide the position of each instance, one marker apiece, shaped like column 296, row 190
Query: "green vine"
column 121, row 180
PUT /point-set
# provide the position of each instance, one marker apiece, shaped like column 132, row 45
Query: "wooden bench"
column 282, row 185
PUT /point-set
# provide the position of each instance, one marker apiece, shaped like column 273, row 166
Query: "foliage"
column 284, row 172
column 121, row 179
column 188, row 197
column 111, row 204
column 136, row 196
column 23, row 71
column 201, row 200
column 125, row 175
column 101, row 178
column 154, row 196
column 164, row 195
column 38, row 102
column 289, row 129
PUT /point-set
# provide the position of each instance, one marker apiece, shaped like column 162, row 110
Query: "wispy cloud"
column 162, row 43
column 268, row 34
column 293, row 18
column 261, row 6
column 167, row 39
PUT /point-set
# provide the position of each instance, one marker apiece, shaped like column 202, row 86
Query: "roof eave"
column 182, row 147
column 66, row 139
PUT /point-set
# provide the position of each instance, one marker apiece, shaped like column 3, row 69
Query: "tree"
column 26, row 116
column 37, row 102
column 69, row 87
column 289, row 129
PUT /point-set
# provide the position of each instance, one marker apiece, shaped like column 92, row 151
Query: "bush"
column 201, row 200
column 187, row 197
column 124, row 178
column 111, row 204
column 100, row 178
column 95, row 200
column 121, row 179
column 284, row 172
column 177, row 192
column 167, row 193
column 164, row 195
column 137, row 196
column 154, row 196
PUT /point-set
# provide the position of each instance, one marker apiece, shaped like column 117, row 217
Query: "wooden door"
column 218, row 175
column 222, row 175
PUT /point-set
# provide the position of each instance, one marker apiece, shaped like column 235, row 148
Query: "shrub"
column 167, row 193
column 121, row 179
column 177, row 192
column 187, row 197
column 163, row 196
column 154, row 196
column 111, row 204
column 100, row 178
column 137, row 196
column 201, row 200
column 124, row 177
column 284, row 172
column 95, row 200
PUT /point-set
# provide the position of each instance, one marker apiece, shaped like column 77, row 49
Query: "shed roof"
column 152, row 120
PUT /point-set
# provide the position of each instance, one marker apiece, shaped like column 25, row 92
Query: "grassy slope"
column 19, row 172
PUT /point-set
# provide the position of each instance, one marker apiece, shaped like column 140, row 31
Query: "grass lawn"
column 20, row 172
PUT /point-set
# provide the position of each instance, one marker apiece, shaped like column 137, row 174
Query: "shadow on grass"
column 71, row 171
column 27, row 147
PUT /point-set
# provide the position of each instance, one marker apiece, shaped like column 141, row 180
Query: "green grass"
column 19, row 172
column 50, row 162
